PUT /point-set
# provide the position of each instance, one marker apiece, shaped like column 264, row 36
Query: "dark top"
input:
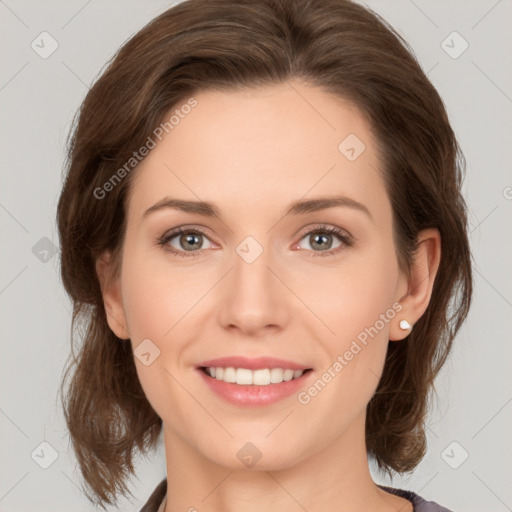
column 418, row 503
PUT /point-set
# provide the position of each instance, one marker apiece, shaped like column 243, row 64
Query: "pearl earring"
column 405, row 325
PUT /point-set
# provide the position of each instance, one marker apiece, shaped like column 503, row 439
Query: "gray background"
column 38, row 98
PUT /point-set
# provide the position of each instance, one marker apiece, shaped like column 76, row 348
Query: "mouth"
column 254, row 382
column 256, row 377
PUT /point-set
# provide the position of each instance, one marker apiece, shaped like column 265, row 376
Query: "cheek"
column 161, row 304
column 358, row 305
column 353, row 295
column 158, row 303
column 158, row 296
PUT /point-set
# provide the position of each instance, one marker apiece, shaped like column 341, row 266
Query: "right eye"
column 183, row 242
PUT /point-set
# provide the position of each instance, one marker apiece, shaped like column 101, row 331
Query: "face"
column 316, row 288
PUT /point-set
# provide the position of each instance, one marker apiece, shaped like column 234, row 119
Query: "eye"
column 190, row 242
column 184, row 242
column 321, row 240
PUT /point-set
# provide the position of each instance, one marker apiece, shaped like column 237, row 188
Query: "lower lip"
column 253, row 395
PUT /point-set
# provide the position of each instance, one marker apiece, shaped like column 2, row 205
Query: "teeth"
column 242, row 376
column 246, row 377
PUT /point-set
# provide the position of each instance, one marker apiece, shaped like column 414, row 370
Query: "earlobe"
column 111, row 293
column 423, row 272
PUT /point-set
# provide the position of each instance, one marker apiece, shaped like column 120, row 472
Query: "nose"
column 254, row 299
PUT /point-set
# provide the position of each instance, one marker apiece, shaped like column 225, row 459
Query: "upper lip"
column 252, row 364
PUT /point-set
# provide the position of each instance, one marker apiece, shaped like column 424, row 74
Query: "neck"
column 335, row 478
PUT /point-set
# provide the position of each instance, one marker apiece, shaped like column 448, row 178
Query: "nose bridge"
column 252, row 297
column 251, row 275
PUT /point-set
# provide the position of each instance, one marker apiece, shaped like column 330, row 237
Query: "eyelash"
column 346, row 239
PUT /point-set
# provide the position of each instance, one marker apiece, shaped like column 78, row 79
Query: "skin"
column 252, row 153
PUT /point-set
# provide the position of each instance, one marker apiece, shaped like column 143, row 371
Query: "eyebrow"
column 299, row 207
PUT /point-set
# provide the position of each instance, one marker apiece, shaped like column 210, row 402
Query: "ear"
column 423, row 272
column 111, row 292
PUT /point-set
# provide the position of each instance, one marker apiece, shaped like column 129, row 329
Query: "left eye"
column 321, row 240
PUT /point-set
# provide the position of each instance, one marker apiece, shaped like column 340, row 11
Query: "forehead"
column 274, row 144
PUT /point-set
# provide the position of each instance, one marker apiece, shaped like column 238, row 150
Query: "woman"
column 227, row 146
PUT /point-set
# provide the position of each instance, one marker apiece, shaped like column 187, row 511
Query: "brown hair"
column 337, row 45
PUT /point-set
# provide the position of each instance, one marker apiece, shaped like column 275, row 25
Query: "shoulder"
column 419, row 504
column 156, row 498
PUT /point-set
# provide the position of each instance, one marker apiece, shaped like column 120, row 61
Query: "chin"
column 256, row 456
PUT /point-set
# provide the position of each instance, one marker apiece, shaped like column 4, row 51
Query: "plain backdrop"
column 467, row 467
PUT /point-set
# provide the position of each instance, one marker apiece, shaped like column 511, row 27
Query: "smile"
column 247, row 377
